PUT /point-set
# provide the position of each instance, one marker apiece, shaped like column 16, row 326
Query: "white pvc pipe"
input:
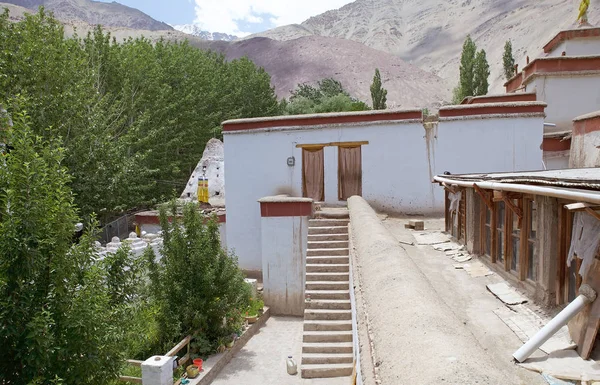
column 587, row 296
column 555, row 192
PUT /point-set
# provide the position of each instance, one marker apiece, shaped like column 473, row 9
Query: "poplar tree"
column 508, row 61
column 481, row 72
column 378, row 93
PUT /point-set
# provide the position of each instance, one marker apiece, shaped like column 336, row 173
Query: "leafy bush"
column 196, row 284
column 58, row 323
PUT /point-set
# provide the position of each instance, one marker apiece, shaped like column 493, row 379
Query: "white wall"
column 577, row 47
column 396, row 166
column 556, row 160
column 567, row 97
column 284, row 242
column 585, row 150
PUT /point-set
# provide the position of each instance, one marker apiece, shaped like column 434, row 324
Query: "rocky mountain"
column 96, row 12
column 196, row 30
column 312, row 58
column 430, row 33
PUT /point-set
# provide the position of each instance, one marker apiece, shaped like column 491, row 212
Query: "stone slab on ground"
column 525, row 324
column 565, row 365
column 431, row 238
column 506, row 294
column 477, row 269
column 262, row 360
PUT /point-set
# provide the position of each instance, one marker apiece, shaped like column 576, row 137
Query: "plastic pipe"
column 587, row 295
column 555, row 192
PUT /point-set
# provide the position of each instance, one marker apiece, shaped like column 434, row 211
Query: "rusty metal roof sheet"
column 580, row 178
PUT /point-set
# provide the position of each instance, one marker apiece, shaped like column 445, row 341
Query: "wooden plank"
column 484, row 197
column 449, row 188
column 583, row 328
column 333, row 144
column 579, row 206
column 179, row 346
column 135, row 362
column 137, row 380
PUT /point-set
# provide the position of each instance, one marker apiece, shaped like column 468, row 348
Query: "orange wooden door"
column 313, row 174
column 349, row 172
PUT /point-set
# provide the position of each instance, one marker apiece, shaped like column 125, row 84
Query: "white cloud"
column 224, row 15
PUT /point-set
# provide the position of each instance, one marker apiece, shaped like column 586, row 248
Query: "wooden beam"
column 593, row 213
column 135, row 362
column 333, row 144
column 449, row 188
column 484, row 196
column 179, row 346
column 137, row 380
column 511, row 205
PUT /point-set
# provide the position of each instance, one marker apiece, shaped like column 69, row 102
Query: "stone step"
column 327, row 277
column 328, row 304
column 326, row 371
column 327, row 336
column 326, row 252
column 327, row 222
column 332, row 214
column 327, row 237
column 327, row 314
column 321, row 359
column 327, row 245
column 327, row 268
column 328, row 230
column 327, row 325
column 333, row 348
column 327, row 285
column 328, row 294
column 339, row 259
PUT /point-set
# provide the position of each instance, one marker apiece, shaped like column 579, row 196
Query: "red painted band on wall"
column 506, row 98
column 586, row 126
column 570, row 35
column 474, row 109
column 286, row 209
column 320, row 119
column 561, row 64
column 556, row 144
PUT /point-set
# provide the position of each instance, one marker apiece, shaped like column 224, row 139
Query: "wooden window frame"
column 565, row 231
column 527, row 240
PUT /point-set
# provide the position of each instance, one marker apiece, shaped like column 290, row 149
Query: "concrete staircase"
column 327, row 341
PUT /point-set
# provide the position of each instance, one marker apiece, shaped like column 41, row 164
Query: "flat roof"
column 357, row 117
column 579, row 33
column 581, row 178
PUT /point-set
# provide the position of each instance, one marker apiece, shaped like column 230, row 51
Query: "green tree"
column 378, row 93
column 508, row 61
column 481, row 73
column 213, row 287
column 58, row 322
column 328, row 96
column 467, row 64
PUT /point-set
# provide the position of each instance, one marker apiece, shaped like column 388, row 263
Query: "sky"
column 236, row 17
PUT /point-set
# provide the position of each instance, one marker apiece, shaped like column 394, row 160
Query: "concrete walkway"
column 426, row 324
column 263, row 360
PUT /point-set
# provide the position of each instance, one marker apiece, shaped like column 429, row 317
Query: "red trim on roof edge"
column 582, row 127
column 470, row 110
column 553, row 65
column 286, row 209
column 506, row 98
column 286, row 121
column 569, row 35
column 556, row 144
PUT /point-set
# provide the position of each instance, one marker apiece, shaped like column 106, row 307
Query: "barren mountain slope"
column 95, row 12
column 430, row 33
column 310, row 59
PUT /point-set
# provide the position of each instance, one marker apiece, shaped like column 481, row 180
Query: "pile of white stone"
column 137, row 245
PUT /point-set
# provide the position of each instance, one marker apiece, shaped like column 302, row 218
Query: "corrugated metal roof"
column 581, row 178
